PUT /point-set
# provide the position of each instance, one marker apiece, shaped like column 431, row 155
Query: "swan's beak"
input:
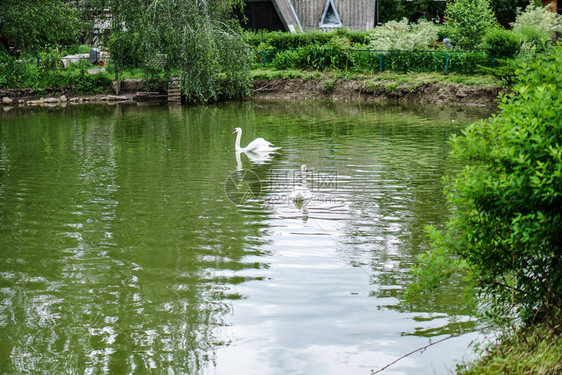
column 234, row 132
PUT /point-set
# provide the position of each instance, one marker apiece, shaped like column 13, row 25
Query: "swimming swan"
column 256, row 146
column 301, row 193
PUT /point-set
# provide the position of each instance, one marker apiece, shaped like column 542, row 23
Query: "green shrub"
column 501, row 43
column 468, row 21
column 506, row 223
column 505, row 71
column 532, row 34
column 284, row 40
column 14, row 73
column 338, row 53
column 286, row 60
column 311, row 57
column 334, row 55
column 50, row 73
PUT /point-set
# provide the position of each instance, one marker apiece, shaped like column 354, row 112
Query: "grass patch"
column 284, row 74
column 410, row 80
column 329, row 85
column 535, row 350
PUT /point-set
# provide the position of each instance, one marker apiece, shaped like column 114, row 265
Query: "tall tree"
column 34, row 24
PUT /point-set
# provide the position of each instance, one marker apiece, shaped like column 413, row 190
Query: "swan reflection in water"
column 301, row 195
column 255, row 158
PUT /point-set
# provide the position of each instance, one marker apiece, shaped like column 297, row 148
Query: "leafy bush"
column 15, row 73
column 505, row 70
column 506, row 225
column 532, row 34
column 320, row 57
column 284, row 40
column 400, row 35
column 469, row 62
column 425, row 61
column 336, row 54
column 468, row 21
column 539, row 20
column 501, row 43
column 286, row 60
column 50, row 73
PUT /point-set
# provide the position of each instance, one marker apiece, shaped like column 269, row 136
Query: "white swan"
column 258, row 145
column 301, row 193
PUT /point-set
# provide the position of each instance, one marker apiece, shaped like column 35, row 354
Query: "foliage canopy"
column 34, row 24
column 506, row 224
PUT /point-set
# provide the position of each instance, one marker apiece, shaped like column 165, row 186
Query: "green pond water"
column 134, row 239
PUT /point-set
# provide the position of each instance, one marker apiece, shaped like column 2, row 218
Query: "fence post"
column 380, row 62
column 264, row 58
column 447, row 63
column 38, row 62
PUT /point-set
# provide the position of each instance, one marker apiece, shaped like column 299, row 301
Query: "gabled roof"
column 287, row 14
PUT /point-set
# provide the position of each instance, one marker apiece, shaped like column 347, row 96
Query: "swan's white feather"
column 257, row 145
column 300, row 193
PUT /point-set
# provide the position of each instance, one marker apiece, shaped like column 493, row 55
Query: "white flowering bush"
column 399, row 35
column 539, row 19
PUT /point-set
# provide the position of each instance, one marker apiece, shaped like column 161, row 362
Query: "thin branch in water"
column 423, row 348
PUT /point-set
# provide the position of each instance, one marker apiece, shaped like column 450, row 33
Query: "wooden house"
column 291, row 15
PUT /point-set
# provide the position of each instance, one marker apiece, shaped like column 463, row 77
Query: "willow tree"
column 198, row 40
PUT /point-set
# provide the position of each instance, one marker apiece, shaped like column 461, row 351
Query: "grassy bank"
column 433, row 88
column 413, row 79
column 533, row 350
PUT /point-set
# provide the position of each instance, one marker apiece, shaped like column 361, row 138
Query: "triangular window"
column 330, row 17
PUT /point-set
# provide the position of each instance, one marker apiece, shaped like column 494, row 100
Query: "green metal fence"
column 376, row 60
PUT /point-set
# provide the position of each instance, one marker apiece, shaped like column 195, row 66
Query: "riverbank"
column 376, row 91
column 432, row 88
column 406, row 88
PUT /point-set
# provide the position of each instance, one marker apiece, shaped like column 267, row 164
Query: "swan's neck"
column 303, row 175
column 238, row 136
